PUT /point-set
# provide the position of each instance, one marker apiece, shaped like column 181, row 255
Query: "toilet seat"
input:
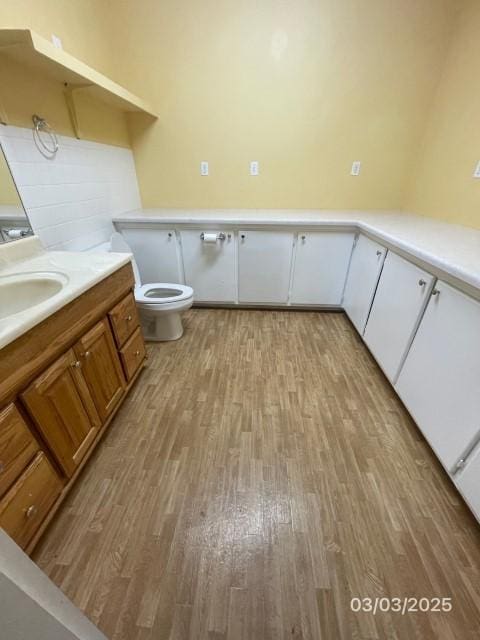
column 162, row 293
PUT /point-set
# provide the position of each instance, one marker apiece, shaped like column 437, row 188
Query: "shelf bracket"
column 69, row 93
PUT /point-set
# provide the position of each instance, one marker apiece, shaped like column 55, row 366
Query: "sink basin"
column 22, row 291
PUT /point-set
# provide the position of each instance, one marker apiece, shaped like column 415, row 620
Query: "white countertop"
column 81, row 271
column 452, row 249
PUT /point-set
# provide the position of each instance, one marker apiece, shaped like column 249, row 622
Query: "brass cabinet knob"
column 87, row 354
column 128, row 318
column 137, row 353
column 31, row 511
column 76, row 365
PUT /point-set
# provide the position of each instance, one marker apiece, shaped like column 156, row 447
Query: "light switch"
column 254, row 168
column 476, row 173
column 356, row 166
column 204, row 168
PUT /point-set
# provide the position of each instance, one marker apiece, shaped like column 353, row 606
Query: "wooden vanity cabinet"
column 60, row 386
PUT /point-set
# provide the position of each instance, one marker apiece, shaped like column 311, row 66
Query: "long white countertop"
column 452, row 249
column 80, row 271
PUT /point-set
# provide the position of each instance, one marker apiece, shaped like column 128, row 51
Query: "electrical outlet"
column 254, row 168
column 476, row 173
column 204, row 168
column 57, row 42
column 356, row 166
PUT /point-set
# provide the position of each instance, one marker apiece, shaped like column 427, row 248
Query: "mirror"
column 14, row 223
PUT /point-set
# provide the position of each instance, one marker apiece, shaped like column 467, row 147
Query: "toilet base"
column 161, row 327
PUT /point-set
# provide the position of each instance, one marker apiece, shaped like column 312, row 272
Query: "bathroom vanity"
column 61, row 382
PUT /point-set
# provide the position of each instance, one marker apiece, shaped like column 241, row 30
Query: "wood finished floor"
column 261, row 474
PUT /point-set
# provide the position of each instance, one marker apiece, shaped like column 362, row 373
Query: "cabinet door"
column 365, row 267
column 468, row 482
column 63, row 410
column 440, row 380
column 101, row 368
column 156, row 254
column 264, row 263
column 321, row 264
column 210, row 268
column 400, row 299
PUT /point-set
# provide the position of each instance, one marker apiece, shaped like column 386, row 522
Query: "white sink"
column 22, row 291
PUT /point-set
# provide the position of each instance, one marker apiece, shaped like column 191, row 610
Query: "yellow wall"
column 303, row 86
column 83, row 27
column 8, row 192
column 442, row 182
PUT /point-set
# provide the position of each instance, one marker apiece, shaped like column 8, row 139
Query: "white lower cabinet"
column 400, row 299
column 264, row 263
column 440, row 380
column 468, row 482
column 156, row 254
column 365, row 267
column 321, row 264
column 210, row 268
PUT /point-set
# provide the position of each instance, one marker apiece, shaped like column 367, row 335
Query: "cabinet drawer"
column 133, row 354
column 124, row 319
column 17, row 446
column 29, row 500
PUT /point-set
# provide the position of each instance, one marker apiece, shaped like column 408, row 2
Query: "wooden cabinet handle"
column 31, row 511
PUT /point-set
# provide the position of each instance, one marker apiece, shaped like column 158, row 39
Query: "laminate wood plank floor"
column 260, row 475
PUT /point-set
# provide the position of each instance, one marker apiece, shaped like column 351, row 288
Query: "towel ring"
column 40, row 125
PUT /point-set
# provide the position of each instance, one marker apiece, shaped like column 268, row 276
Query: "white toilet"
column 159, row 303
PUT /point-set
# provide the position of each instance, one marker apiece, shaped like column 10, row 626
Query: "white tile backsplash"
column 71, row 198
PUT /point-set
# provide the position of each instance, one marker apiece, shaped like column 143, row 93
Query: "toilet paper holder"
column 220, row 236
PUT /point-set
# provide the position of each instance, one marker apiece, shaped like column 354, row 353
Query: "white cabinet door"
column 400, row 299
column 156, row 253
column 321, row 264
column 365, row 267
column 468, row 482
column 264, row 262
column 210, row 268
column 440, row 380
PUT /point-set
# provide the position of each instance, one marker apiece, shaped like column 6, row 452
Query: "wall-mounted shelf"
column 27, row 47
